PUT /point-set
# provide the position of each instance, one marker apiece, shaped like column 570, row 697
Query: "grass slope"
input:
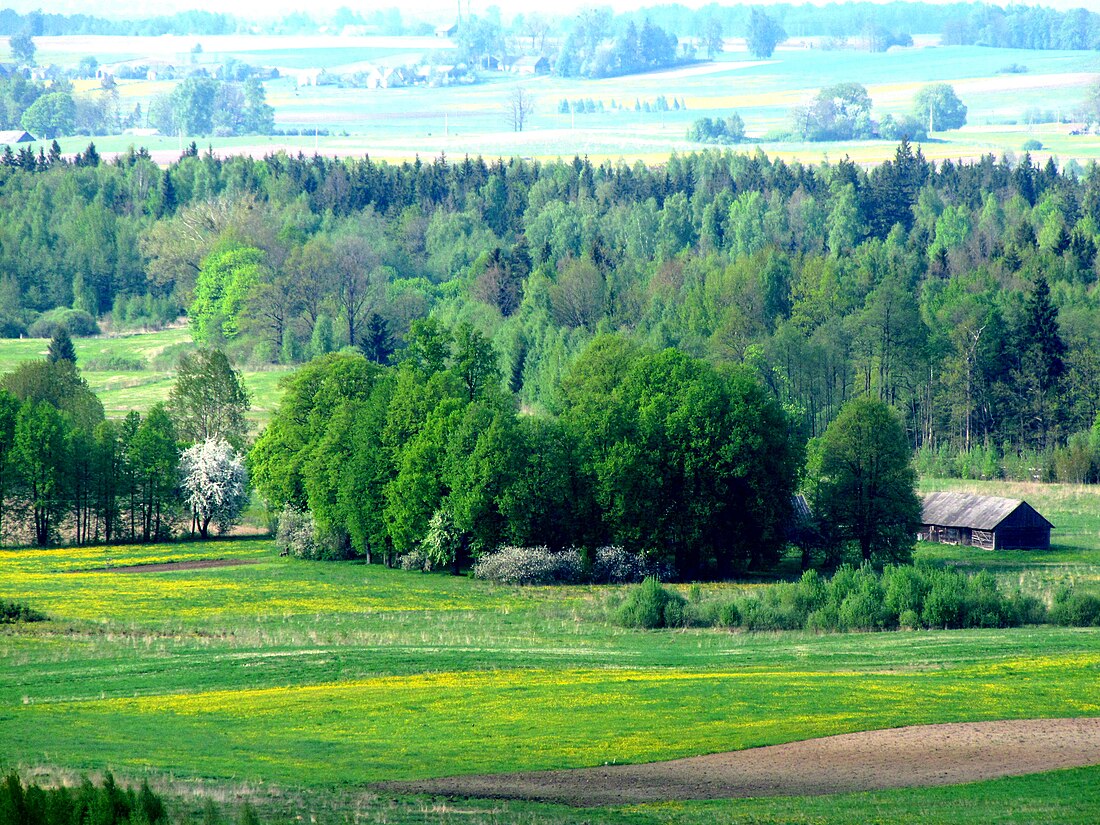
column 320, row 677
column 125, row 390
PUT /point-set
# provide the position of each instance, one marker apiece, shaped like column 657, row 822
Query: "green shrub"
column 864, row 609
column 945, row 604
column 76, row 322
column 1032, row 145
column 115, row 363
column 825, row 620
column 1075, row 609
column 650, row 606
column 729, row 615
column 811, row 592
column 909, row 620
column 905, row 588
column 11, row 612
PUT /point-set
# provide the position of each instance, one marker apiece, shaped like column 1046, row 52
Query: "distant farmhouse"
column 15, row 136
column 446, row 30
column 531, row 65
column 989, row 522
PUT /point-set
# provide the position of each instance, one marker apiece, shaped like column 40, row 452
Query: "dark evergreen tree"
column 61, row 347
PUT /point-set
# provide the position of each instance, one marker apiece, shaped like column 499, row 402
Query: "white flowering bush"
column 215, row 484
column 415, row 560
column 614, row 565
column 530, row 565
column 296, row 534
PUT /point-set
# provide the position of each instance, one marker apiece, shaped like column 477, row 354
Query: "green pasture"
column 297, row 683
column 125, row 390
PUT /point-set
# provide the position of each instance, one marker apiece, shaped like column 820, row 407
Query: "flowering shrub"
column 415, row 560
column 530, row 565
column 215, row 483
column 614, row 565
column 297, row 535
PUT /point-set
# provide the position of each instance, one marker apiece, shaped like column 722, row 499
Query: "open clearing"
column 921, row 755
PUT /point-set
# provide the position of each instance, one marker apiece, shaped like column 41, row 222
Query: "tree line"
column 962, row 23
column 67, row 473
column 668, row 456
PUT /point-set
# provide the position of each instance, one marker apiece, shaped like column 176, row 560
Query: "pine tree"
column 377, row 343
column 61, row 347
column 166, row 196
column 1043, row 338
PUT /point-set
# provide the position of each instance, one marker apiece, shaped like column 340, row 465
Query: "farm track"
column 163, row 567
column 916, row 756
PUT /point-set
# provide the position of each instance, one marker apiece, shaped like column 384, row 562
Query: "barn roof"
column 970, row 510
column 15, row 136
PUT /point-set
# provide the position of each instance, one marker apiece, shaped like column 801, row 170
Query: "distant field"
column 125, row 390
column 457, row 120
column 289, row 680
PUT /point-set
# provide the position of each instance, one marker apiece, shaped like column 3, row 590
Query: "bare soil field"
column 924, row 755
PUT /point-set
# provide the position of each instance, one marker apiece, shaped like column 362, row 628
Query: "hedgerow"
column 863, row 599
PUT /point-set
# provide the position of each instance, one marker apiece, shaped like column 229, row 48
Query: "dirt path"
column 197, row 564
column 923, row 755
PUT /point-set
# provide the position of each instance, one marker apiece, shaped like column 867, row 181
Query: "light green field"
column 472, row 119
column 124, row 390
column 296, row 683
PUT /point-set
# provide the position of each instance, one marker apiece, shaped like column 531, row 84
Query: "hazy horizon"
column 426, row 9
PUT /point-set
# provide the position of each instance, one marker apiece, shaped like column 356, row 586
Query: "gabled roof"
column 970, row 510
column 15, row 136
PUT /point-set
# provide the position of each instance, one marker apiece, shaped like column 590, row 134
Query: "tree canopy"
column 866, row 485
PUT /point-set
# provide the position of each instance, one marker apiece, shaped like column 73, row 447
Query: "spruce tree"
column 61, row 347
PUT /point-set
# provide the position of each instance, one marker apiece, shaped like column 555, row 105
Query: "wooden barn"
column 989, row 522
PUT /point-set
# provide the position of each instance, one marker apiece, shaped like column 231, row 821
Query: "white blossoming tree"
column 215, row 484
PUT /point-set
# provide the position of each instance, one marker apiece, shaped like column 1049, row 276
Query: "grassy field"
column 296, row 683
column 125, row 390
column 472, row 119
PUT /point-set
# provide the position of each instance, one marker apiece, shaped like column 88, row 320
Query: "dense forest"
column 518, row 334
column 962, row 293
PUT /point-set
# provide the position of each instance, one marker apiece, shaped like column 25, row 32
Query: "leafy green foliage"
column 865, row 484
column 650, row 606
column 208, row 399
column 764, row 34
column 939, row 107
column 11, row 612
column 899, row 597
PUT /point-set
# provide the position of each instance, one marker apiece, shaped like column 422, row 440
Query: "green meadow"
column 122, row 390
column 296, row 684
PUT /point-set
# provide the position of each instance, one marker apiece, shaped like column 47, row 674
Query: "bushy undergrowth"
column 298, row 535
column 76, row 322
column 540, row 565
column 862, row 599
column 1075, row 609
column 11, row 612
column 115, row 363
column 650, row 606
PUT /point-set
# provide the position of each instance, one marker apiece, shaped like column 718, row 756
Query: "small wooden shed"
column 989, row 522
